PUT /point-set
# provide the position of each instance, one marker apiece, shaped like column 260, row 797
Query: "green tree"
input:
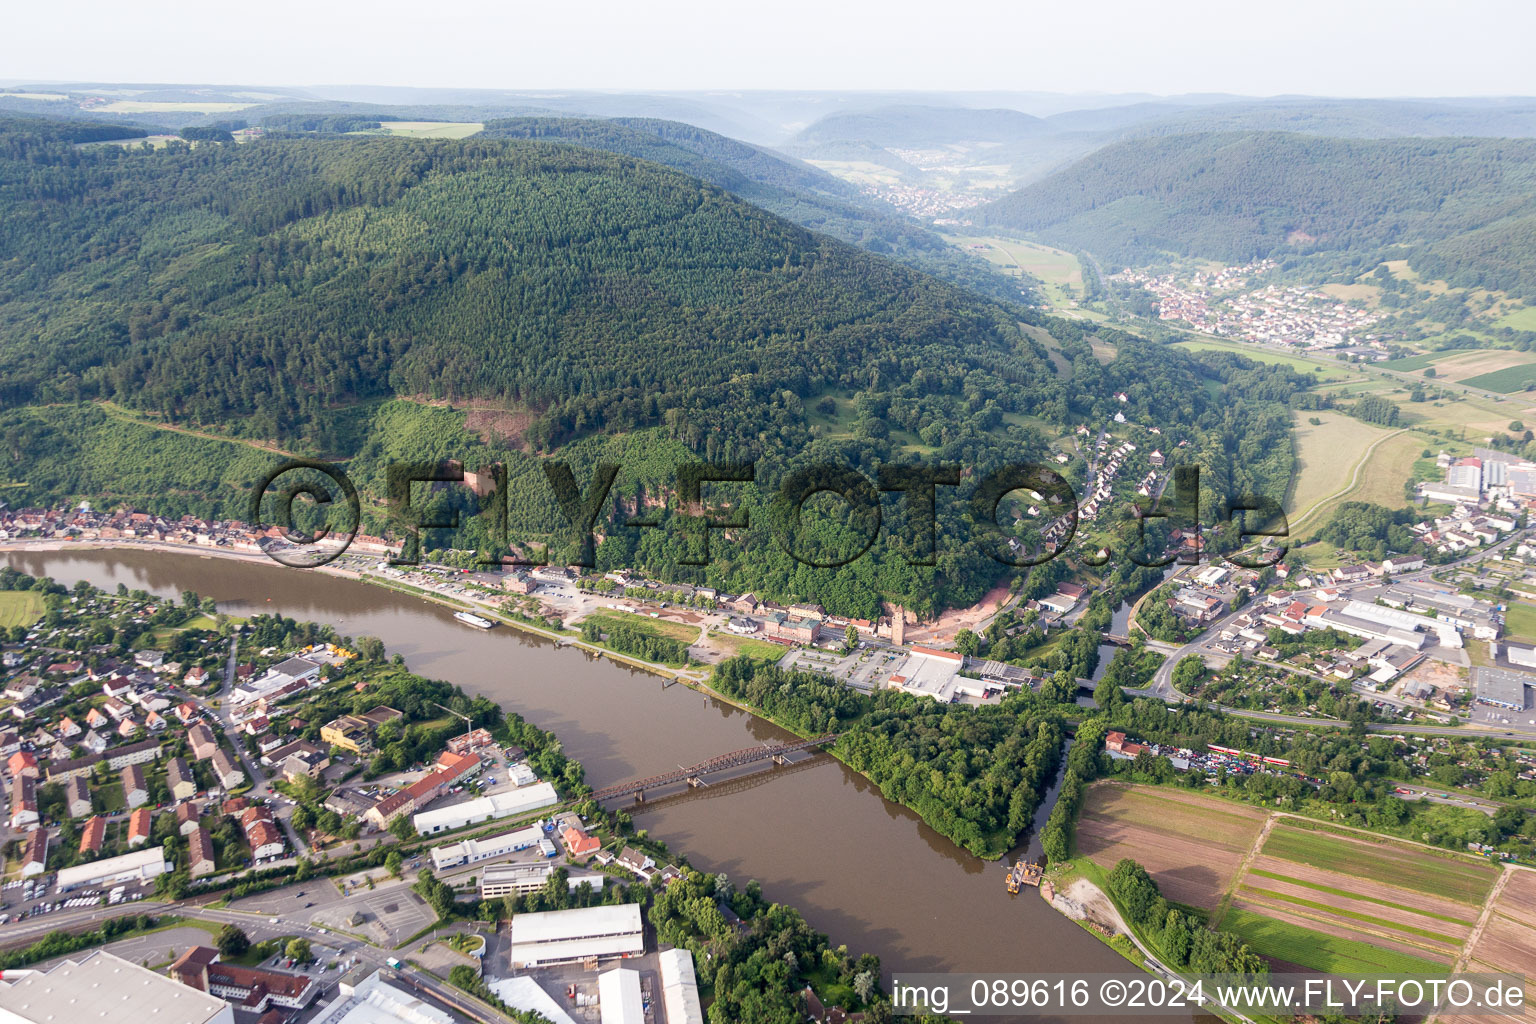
column 298, row 949
column 232, row 941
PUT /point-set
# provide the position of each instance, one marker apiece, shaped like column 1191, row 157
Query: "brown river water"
column 816, row 835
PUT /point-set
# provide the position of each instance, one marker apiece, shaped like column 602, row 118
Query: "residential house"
column 77, row 797
column 139, row 827
column 180, row 780
column 23, row 801
column 135, row 791
column 225, row 769
column 200, row 848
column 92, row 835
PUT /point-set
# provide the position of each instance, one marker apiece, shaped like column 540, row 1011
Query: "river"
column 817, row 836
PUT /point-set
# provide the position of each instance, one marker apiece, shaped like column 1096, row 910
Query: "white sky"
column 1314, row 47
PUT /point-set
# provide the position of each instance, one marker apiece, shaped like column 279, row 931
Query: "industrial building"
column 618, row 997
column 138, row 866
column 517, row 879
column 486, row 808
column 679, row 987
column 523, row 993
column 1501, row 687
column 373, row 1001
column 102, row 987
column 566, row 936
column 471, row 850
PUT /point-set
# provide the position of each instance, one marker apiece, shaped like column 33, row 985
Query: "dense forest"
column 388, row 300
column 1461, row 204
column 974, row 774
column 785, row 187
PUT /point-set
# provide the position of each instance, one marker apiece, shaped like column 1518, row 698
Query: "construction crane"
column 468, row 722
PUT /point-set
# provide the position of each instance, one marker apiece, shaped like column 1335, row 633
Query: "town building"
column 200, row 849
column 471, row 851
column 1502, row 687
column 618, row 995
column 34, row 860
column 679, row 987
column 180, row 780
column 250, row 988
column 77, row 797
column 498, row 880
column 138, row 866
column 569, row 936
column 486, row 808
column 99, row 986
column 371, row 1000
column 135, row 791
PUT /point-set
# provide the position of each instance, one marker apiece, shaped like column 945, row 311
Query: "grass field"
column 1419, row 870
column 431, row 129
column 1522, row 319
column 655, row 627
column 1316, row 951
column 1327, row 457
column 20, row 607
column 735, row 645
column 1060, row 272
column 1324, row 370
column 1520, row 620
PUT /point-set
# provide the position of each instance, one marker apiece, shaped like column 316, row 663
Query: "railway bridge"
column 694, row 774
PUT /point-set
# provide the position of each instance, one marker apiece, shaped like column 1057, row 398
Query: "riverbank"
column 456, row 604
column 819, row 836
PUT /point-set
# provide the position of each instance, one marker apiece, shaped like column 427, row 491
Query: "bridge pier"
column 695, row 782
column 640, row 796
column 780, row 759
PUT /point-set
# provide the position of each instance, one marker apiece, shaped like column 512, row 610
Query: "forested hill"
column 793, row 190
column 1462, row 204
column 259, row 287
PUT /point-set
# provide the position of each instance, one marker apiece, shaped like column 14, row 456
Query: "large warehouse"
column 618, row 997
column 566, row 936
column 486, row 808
column 138, row 866
column 1501, row 687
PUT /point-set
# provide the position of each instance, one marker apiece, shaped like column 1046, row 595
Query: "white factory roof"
column 523, row 993
column 145, row 863
column 618, row 997
column 679, row 987
column 471, row 850
column 373, row 1001
column 562, row 935
column 103, row 987
column 498, row 805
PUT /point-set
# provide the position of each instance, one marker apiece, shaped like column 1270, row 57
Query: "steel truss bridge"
column 694, row 774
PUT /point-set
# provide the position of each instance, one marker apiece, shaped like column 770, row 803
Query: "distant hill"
column 1235, row 197
column 781, row 185
column 917, row 127
column 264, row 285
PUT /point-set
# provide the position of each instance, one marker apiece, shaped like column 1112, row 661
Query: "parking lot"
column 865, row 669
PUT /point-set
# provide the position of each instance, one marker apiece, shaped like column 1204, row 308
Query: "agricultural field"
column 167, row 107
column 1192, row 845
column 1314, row 897
column 1303, row 946
column 1507, row 941
column 1459, row 879
column 20, row 608
column 430, row 129
column 1507, row 380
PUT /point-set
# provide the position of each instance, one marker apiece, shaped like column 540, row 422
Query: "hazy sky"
column 1317, row 47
